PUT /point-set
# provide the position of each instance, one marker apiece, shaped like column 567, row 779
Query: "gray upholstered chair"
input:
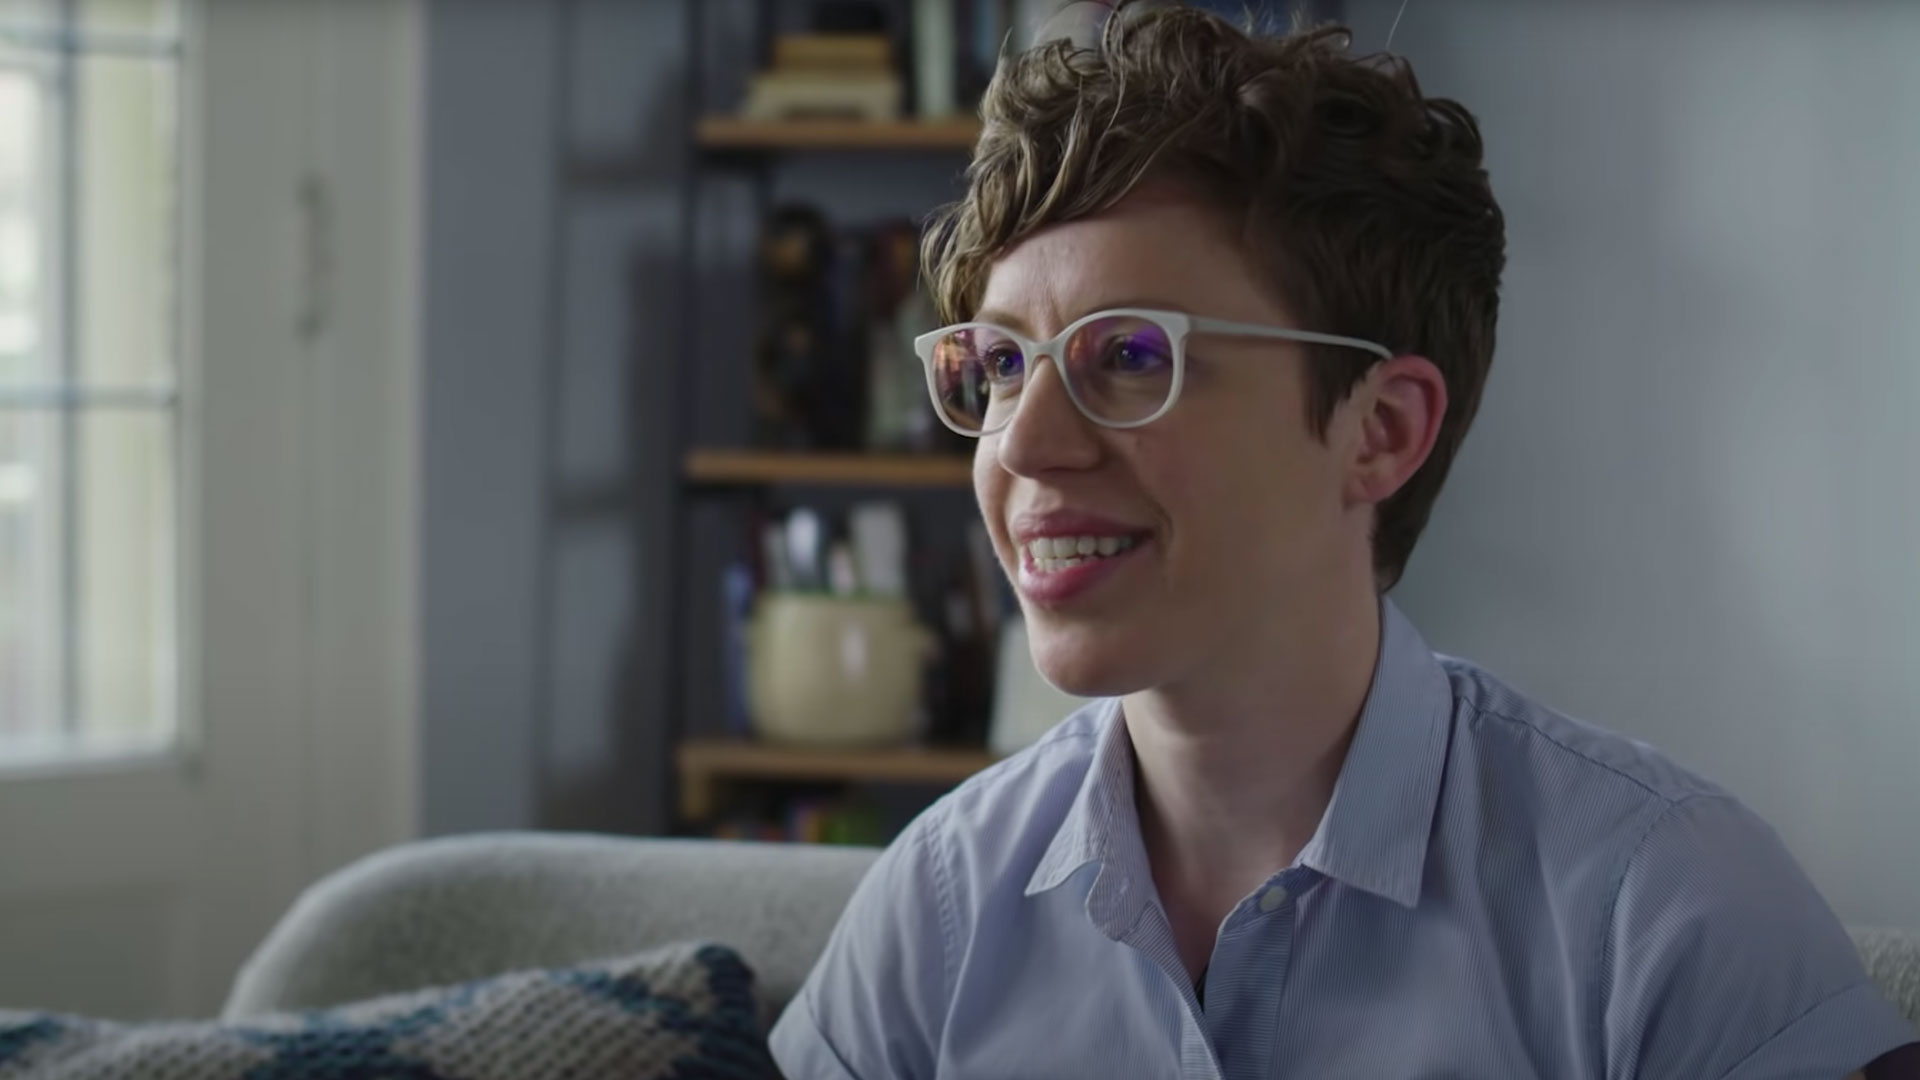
column 443, row 911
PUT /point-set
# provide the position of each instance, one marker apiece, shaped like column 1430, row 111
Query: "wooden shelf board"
column 702, row 762
column 736, row 133
column 878, row 470
column 772, row 761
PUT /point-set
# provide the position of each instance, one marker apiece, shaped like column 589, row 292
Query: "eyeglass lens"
column 1119, row 368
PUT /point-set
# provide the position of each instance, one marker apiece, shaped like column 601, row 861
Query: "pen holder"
column 834, row 671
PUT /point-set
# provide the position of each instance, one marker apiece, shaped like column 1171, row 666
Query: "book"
column 832, row 52
column 784, row 95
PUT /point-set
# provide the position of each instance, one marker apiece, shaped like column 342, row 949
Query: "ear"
column 1402, row 400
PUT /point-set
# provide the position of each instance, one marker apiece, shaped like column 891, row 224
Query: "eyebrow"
column 1010, row 320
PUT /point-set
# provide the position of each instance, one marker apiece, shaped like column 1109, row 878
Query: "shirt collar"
column 1103, row 816
column 1376, row 828
column 1374, row 833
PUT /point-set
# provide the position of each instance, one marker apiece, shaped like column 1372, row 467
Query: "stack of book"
column 840, row 76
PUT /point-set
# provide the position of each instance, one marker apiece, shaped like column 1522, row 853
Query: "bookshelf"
column 736, row 133
column 724, row 468
column 859, row 172
column 705, row 764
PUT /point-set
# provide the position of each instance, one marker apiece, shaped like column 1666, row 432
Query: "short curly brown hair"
column 1363, row 203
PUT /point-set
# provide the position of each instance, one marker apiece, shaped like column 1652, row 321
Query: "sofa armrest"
column 1892, row 958
column 444, row 911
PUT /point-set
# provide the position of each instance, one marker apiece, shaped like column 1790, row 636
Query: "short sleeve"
column 872, row 1006
column 1722, row 960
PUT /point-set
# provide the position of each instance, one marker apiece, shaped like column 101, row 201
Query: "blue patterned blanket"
column 684, row 1012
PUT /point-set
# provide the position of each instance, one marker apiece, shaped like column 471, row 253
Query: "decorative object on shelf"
column 835, row 671
column 935, row 59
column 879, row 534
column 961, row 697
column 843, row 69
column 963, row 679
column 807, row 390
column 899, row 417
column 1025, row 704
column 806, row 550
column 991, row 597
column 736, row 597
column 843, row 577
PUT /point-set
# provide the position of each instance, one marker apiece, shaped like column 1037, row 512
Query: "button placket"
column 1249, row 977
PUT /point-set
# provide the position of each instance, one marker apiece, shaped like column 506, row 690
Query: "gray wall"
column 535, row 702
column 485, row 259
column 1688, row 508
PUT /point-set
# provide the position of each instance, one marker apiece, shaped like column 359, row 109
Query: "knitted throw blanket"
column 683, row 1011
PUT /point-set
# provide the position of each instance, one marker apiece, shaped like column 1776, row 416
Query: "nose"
column 1047, row 431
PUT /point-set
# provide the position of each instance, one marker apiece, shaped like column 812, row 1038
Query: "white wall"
column 1688, row 510
column 133, row 888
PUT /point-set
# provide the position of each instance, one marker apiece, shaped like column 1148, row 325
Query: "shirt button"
column 1272, row 899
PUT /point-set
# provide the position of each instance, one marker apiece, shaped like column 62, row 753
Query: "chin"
column 1092, row 662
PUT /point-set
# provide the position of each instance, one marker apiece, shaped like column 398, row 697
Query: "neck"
column 1235, row 767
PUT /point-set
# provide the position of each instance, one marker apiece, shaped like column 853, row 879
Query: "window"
column 89, row 357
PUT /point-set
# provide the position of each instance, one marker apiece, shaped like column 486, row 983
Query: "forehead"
column 1154, row 248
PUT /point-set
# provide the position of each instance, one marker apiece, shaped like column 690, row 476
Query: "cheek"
column 1232, row 484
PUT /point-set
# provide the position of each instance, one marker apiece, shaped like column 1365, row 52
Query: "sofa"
column 444, row 911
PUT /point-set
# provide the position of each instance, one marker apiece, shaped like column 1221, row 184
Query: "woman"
column 1223, row 308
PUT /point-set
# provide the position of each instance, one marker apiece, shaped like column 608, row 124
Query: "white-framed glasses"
column 1122, row 368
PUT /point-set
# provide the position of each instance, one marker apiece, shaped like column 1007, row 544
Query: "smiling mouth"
column 1052, row 554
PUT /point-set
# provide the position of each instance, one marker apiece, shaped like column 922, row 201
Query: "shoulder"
column 1710, row 945
column 1506, row 728
column 876, row 1002
column 1719, row 951
column 1599, row 812
column 992, row 829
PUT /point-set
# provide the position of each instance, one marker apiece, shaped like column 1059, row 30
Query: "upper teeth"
column 1051, row 549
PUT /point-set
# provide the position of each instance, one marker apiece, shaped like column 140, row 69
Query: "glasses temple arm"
column 1240, row 329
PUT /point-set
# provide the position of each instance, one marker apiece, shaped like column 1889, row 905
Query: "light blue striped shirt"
column 1494, row 891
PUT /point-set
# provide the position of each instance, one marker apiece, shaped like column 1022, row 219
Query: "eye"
column 1136, row 354
column 1003, row 362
